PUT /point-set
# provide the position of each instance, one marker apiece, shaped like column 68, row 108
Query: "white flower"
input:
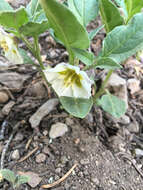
column 10, row 48
column 1, row 177
column 68, row 80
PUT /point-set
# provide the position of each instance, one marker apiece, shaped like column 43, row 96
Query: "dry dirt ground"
column 103, row 148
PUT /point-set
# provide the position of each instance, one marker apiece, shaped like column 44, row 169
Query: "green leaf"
column 107, row 63
column 83, row 55
column 94, row 32
column 26, row 58
column 78, row 107
column 32, row 6
column 133, row 7
column 4, row 6
column 8, row 175
column 40, row 17
column 110, row 15
column 35, row 12
column 13, row 19
column 65, row 25
column 124, row 41
column 22, row 179
column 113, row 105
column 34, row 29
column 84, row 10
column 121, row 4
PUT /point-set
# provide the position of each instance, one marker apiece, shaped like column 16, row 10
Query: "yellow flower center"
column 14, row 51
column 71, row 77
column 4, row 45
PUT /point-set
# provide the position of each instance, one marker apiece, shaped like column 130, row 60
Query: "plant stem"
column 102, row 89
column 38, row 57
column 71, row 56
column 37, row 52
column 28, row 44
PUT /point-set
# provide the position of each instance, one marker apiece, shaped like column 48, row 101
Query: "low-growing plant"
column 122, row 20
column 12, row 178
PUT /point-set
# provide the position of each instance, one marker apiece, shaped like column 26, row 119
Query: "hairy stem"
column 37, row 52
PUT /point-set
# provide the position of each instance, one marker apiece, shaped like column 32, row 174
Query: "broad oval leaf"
column 8, row 175
column 78, row 107
column 26, row 59
column 84, row 10
column 133, row 7
column 14, row 19
column 65, row 25
column 86, row 57
column 34, row 29
column 110, row 15
column 107, row 63
column 124, row 41
column 113, row 105
column 22, row 179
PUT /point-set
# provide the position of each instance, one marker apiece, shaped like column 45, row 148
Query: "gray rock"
column 125, row 120
column 15, row 155
column 13, row 80
column 7, row 108
column 34, row 179
column 19, row 137
column 95, row 180
column 69, row 121
column 138, row 152
column 89, row 118
column 84, row 161
column 133, row 85
column 40, row 158
column 58, row 170
column 44, row 110
column 58, row 130
column 64, row 159
column 133, row 127
column 118, row 87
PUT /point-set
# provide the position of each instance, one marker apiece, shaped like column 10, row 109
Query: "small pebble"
column 133, row 127
column 138, row 152
column 58, row 130
column 124, row 120
column 69, row 121
column 45, row 132
column 40, row 158
column 15, row 155
column 84, row 161
column 89, row 118
column 19, row 137
column 64, row 159
column 3, row 97
column 34, row 179
column 133, row 85
column 95, row 180
column 58, row 170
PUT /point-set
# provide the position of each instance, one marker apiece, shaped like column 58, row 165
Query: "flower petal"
column 60, row 89
column 81, row 92
column 71, row 83
column 10, row 48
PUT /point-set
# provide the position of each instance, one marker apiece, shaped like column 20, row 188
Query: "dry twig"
column 60, row 180
column 28, row 155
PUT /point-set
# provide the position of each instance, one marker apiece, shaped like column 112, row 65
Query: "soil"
column 102, row 147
